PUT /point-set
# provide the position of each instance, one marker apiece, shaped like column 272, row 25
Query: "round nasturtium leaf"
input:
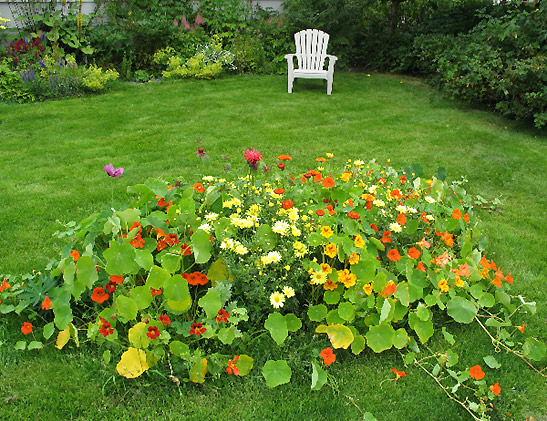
column 293, row 322
column 461, row 310
column 400, row 340
column 211, row 303
column 276, row 324
column 379, row 338
column 245, row 364
column 137, row 335
column 340, row 336
column 276, row 373
column 317, row 313
column 132, row 363
column 127, row 307
column 318, row 376
column 198, row 371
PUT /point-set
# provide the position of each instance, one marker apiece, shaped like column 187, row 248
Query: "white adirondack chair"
column 311, row 52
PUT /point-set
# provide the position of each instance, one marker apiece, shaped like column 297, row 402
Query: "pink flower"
column 253, row 157
column 113, row 172
column 199, row 19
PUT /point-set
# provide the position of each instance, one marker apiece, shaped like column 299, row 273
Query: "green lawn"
column 52, row 158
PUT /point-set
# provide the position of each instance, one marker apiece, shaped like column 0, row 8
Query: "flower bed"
column 339, row 258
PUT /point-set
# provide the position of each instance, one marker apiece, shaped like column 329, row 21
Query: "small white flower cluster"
column 234, row 245
column 271, row 257
column 277, row 299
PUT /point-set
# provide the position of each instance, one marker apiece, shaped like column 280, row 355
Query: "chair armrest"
column 289, row 56
column 332, row 62
column 290, row 62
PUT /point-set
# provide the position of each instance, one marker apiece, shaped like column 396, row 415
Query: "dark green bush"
column 501, row 63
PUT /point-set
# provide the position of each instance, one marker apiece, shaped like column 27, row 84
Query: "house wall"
column 89, row 5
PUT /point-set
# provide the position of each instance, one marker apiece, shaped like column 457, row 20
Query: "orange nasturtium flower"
column 320, row 159
column 496, row 389
column 331, row 250
column 521, row 328
column 509, row 278
column 394, row 255
column 413, row 253
column 287, row 204
column 116, row 279
column 279, row 191
column 4, row 285
column 27, row 328
column 354, row 215
column 328, row 356
column 466, row 217
column 389, row 289
column 99, row 295
column 476, row 372
column 330, row 285
column 456, row 214
column 420, row 267
column 199, row 187
column 368, row 288
column 284, row 158
column 354, row 259
column 232, row 369
column 401, row 219
column 398, row 373
column 75, row 255
column 386, row 237
column 396, row 194
column 46, row 304
column 328, row 182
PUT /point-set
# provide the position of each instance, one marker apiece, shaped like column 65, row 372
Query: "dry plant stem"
column 497, row 342
column 447, row 392
column 351, row 400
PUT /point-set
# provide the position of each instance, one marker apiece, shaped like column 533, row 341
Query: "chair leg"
column 329, row 86
column 290, row 82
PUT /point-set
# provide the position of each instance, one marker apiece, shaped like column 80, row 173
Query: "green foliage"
column 12, row 87
column 95, row 79
column 500, row 64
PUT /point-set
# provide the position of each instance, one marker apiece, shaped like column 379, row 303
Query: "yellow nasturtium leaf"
column 340, row 336
column 62, row 338
column 132, row 364
column 198, row 371
column 137, row 335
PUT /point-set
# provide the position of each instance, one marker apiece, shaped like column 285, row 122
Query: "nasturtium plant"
column 192, row 274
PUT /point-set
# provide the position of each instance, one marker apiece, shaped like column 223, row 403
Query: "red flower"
column 476, row 372
column 222, row 316
column 199, row 187
column 354, row 215
column 401, row 218
column 153, row 332
column 396, row 194
column 105, row 327
column 320, row 212
column 75, row 255
column 402, row 178
column 186, row 249
column 496, row 389
column 253, row 157
column 287, row 204
column 99, row 295
column 232, row 369
column 386, row 237
column 279, row 191
column 4, row 285
column 281, row 166
column 373, row 226
column 165, row 320
column 155, row 292
column 394, row 255
column 398, row 373
column 328, row 356
column 284, row 158
column 509, row 279
column 110, row 287
column 414, row 253
column 389, row 289
column 195, row 278
column 161, row 203
column 46, row 304
column 328, row 182
column 116, row 279
column 27, row 328
column 421, row 267
column 197, row 329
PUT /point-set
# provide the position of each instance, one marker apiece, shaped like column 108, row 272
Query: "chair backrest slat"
column 311, row 49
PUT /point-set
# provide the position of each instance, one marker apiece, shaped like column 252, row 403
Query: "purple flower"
column 113, row 172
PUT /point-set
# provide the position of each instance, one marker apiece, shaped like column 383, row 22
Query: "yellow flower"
column 329, row 155
column 359, row 242
column 318, row 278
column 443, row 285
column 288, row 291
column 277, row 299
column 326, row 232
column 330, row 285
column 331, row 250
column 458, row 282
column 354, row 259
column 368, row 288
column 346, row 176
